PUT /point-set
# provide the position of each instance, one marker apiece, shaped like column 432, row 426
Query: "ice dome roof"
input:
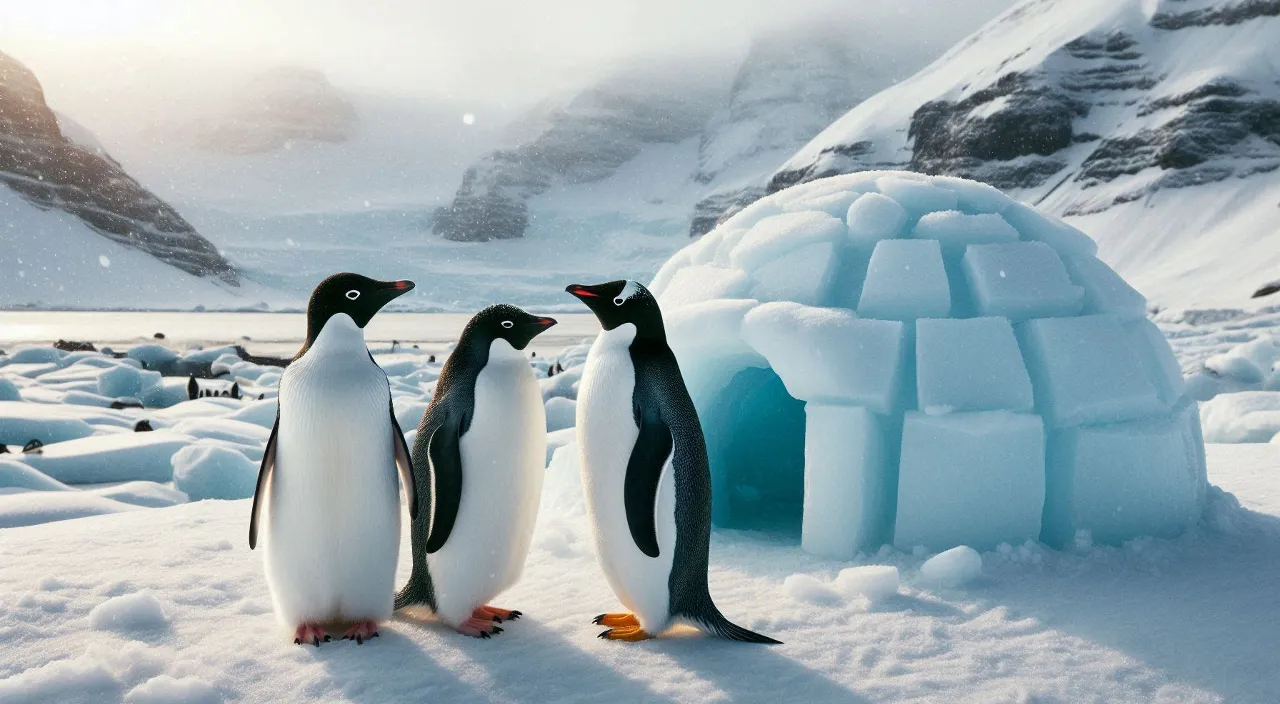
column 924, row 361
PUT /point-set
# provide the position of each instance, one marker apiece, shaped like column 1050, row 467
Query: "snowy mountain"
column 71, row 178
column 581, row 140
column 1153, row 125
column 276, row 108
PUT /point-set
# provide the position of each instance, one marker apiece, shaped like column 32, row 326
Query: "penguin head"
column 617, row 303
column 360, row 297
column 506, row 322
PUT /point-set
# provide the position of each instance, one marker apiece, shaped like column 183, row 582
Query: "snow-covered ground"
column 151, row 598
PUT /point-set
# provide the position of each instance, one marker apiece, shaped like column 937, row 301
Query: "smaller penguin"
column 478, row 463
column 644, row 469
column 327, row 482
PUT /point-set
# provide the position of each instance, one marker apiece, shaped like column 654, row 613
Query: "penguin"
column 327, row 483
column 644, row 471
column 478, row 462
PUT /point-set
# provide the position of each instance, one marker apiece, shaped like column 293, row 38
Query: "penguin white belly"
column 606, row 434
column 333, row 514
column 503, row 464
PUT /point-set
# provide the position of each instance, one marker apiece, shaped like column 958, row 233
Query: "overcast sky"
column 512, row 51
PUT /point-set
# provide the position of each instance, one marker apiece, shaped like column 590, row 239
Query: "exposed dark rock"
column 1267, row 290
column 143, row 426
column 55, row 173
column 158, row 336
column 718, row 207
column 126, row 403
column 74, row 346
column 1225, row 14
column 832, row 161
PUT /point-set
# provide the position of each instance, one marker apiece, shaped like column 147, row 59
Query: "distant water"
column 260, row 333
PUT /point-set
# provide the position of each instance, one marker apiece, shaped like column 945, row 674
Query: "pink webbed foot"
column 493, row 613
column 310, row 633
column 361, row 632
column 478, row 628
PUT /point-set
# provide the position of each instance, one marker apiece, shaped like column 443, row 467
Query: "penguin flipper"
column 445, row 452
column 264, row 475
column 405, row 465
column 644, row 470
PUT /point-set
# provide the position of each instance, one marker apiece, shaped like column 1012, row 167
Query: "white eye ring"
column 353, row 294
column 508, row 324
column 619, row 301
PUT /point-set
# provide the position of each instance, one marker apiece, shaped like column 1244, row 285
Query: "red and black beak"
column 544, row 323
column 403, row 286
column 583, row 292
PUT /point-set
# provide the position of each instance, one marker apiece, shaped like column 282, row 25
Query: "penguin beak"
column 582, row 293
column 388, row 291
column 544, row 323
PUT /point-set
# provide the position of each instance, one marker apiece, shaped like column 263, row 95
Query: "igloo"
column 892, row 358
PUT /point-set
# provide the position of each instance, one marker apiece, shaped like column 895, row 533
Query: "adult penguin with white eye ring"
column 327, row 482
column 479, row 460
column 645, row 472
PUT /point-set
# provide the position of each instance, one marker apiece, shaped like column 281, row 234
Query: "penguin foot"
column 310, row 633
column 493, row 613
column 478, row 628
column 627, row 633
column 615, row 620
column 361, row 632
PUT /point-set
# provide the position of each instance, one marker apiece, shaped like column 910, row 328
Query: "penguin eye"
column 353, row 294
column 619, row 301
column 508, row 324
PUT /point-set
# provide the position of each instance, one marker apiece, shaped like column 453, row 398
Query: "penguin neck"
column 339, row 335
column 501, row 351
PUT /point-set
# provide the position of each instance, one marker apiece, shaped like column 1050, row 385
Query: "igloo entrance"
column 755, row 440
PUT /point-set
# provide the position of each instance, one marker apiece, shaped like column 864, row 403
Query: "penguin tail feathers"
column 414, row 592
column 722, row 627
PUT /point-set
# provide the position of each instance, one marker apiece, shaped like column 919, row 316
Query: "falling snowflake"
column 104, row 261
column 468, row 119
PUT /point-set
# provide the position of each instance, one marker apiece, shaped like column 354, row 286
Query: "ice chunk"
column 169, row 392
column 1125, row 480
column 207, row 471
column 556, row 440
column 8, row 391
column 16, row 475
column 261, row 413
column 1086, row 370
column 1035, row 225
column 972, row 478
column 152, row 355
column 1105, row 291
column 774, row 236
column 1020, row 280
column 31, row 508
column 954, row 568
column 1246, row 416
column 808, row 589
column 228, row 429
column 149, row 494
column 1157, row 356
column 710, row 330
column 804, row 275
column 970, row 365
column 35, row 355
column 974, row 196
column 848, row 482
column 905, row 280
column 828, row 355
column 955, row 230
column 695, row 284
column 835, row 204
column 111, row 458
column 917, row 197
column 875, row 582
column 874, row 217
column 22, row 422
column 126, row 381
column 129, row 613
column 561, row 413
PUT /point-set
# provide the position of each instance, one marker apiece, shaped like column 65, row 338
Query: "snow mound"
column 128, row 614
column 954, row 568
column 111, row 458
column 166, row 689
column 211, row 472
column 875, row 582
column 1247, row 416
column 31, row 508
column 16, row 475
column 942, row 366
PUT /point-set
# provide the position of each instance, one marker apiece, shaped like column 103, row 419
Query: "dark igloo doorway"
column 755, row 443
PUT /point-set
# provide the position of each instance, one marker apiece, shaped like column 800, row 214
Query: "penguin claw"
column 361, row 632
column 484, row 635
column 310, row 634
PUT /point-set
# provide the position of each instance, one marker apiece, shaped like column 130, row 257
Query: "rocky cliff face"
column 1126, row 98
column 53, row 172
column 277, row 108
column 583, row 140
column 1085, row 107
